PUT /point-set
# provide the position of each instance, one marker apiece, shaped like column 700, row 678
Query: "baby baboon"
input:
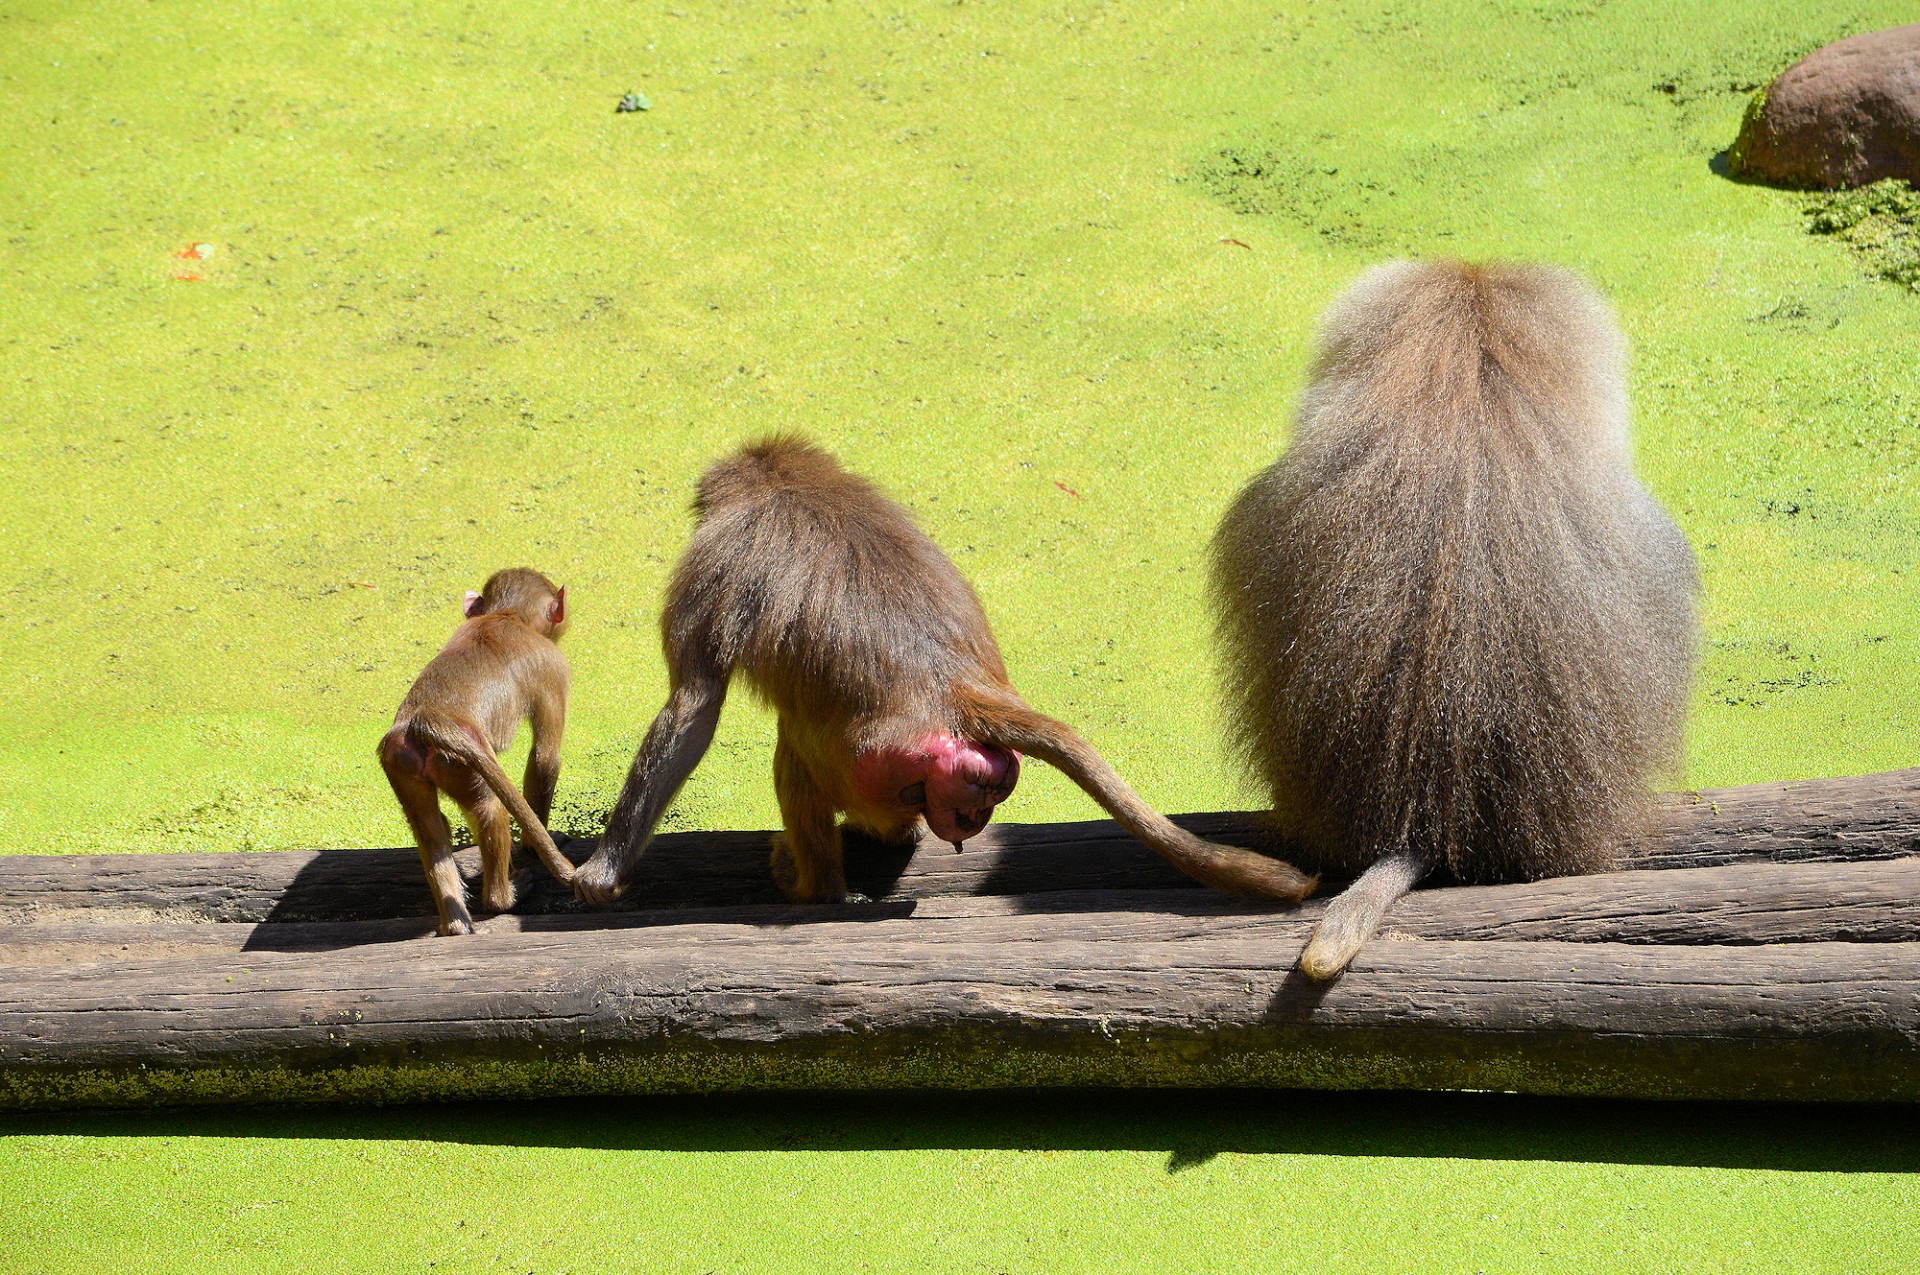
column 893, row 703
column 1457, row 631
column 500, row 667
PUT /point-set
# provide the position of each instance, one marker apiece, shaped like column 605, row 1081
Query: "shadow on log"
column 1819, row 820
column 1767, row 946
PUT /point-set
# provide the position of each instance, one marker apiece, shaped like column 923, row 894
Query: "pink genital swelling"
column 952, row 783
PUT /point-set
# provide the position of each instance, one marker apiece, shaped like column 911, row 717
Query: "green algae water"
column 313, row 315
column 1217, row 1182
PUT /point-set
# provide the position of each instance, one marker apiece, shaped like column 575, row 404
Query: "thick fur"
column 860, row 634
column 1455, row 626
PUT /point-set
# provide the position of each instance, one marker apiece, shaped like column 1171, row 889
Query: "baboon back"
column 1452, row 619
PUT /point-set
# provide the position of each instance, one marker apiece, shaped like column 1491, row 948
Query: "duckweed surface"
column 315, row 314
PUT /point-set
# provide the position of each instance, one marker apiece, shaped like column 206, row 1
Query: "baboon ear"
column 475, row 604
column 557, row 613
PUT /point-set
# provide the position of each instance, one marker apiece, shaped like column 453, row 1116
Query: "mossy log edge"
column 531, row 1015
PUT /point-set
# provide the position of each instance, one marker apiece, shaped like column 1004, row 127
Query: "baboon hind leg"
column 487, row 820
column 493, row 833
column 420, row 801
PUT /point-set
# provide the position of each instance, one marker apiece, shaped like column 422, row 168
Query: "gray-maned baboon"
column 1456, row 630
column 873, row 650
column 500, row 667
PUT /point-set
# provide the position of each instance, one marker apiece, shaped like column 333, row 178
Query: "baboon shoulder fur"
column 1452, row 620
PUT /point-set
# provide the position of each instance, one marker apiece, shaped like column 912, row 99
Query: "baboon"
column 1456, row 630
column 875, row 654
column 500, row 667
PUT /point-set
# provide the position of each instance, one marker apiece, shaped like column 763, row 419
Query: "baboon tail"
column 450, row 735
column 1004, row 719
column 1355, row 914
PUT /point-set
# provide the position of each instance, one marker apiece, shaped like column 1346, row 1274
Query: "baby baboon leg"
column 477, row 805
column 1352, row 918
column 420, row 802
column 449, row 891
column 493, row 832
column 806, row 855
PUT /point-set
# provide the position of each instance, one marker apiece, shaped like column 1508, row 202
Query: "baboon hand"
column 597, row 881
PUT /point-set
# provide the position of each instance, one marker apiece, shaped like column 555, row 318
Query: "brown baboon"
column 1457, row 631
column 871, row 647
column 500, row 667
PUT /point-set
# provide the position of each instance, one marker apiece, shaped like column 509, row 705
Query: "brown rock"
column 1844, row 115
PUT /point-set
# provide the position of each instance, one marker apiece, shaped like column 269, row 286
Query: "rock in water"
column 1844, row 115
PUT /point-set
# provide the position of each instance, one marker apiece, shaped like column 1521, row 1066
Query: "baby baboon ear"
column 475, row 604
column 557, row 609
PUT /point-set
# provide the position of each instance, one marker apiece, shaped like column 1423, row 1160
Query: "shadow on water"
column 1190, row 1128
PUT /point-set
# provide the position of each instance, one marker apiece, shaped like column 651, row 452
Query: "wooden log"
column 1805, row 820
column 1746, row 904
column 1861, row 818
column 1043, row 955
column 844, row 1005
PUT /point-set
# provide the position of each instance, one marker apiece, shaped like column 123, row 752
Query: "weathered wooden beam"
column 1805, row 820
column 1749, row 903
column 1866, row 817
column 845, row 1005
column 1871, row 901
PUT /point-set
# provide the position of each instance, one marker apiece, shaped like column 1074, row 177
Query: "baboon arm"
column 807, row 855
column 674, row 745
